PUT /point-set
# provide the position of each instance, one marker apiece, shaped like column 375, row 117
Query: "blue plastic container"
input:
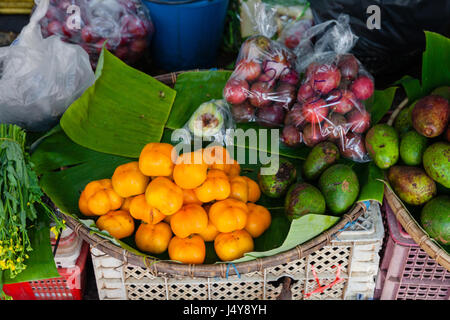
column 187, row 33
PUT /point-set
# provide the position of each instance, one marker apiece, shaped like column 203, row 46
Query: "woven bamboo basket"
column 219, row 269
column 411, row 226
column 16, row 7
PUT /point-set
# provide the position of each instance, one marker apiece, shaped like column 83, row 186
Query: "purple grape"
column 271, row 116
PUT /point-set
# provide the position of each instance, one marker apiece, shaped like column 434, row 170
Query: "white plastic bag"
column 40, row 78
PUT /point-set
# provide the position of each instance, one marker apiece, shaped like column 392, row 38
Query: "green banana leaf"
column 80, row 165
column 195, row 88
column 380, row 103
column 412, row 88
column 435, row 62
column 435, row 68
column 121, row 112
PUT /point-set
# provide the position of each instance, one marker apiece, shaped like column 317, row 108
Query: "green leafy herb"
column 20, row 194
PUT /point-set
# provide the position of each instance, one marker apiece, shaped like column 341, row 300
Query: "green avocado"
column 411, row 184
column 436, row 162
column 403, row 121
column 382, row 144
column 276, row 185
column 435, row 219
column 321, row 156
column 442, row 91
column 303, row 198
column 340, row 186
column 207, row 120
column 412, row 147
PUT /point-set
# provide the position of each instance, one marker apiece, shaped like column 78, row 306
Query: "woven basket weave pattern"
column 355, row 251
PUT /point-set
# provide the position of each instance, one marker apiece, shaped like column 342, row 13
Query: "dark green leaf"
column 194, row 88
column 436, row 62
column 380, row 103
column 370, row 179
column 412, row 88
column 81, row 165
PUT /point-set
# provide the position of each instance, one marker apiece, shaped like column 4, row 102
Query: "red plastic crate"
column 70, row 286
column 406, row 271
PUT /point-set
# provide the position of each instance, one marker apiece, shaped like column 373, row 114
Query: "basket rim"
column 221, row 269
column 411, row 225
column 158, row 267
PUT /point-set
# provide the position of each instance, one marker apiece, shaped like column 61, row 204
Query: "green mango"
column 403, row 120
column 411, row 184
column 276, row 185
column 442, row 91
column 321, row 157
column 382, row 145
column 303, row 198
column 430, row 116
column 436, row 162
column 412, row 147
column 435, row 219
column 340, row 186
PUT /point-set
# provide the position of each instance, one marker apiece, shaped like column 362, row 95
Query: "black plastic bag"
column 400, row 41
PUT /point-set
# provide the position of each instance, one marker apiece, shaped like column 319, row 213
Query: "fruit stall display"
column 269, row 246
column 236, row 185
column 112, row 168
column 82, row 150
column 183, row 206
column 413, row 148
column 417, row 159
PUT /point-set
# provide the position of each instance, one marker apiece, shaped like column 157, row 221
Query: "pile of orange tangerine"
column 179, row 203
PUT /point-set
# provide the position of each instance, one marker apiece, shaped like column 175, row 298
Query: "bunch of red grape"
column 263, row 84
column 330, row 106
column 125, row 25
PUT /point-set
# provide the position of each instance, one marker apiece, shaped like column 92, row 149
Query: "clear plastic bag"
column 330, row 99
column 293, row 33
column 264, row 82
column 211, row 121
column 40, row 78
column 125, row 25
column 284, row 12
